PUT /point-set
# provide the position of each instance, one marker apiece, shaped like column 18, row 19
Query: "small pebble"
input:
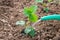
column 22, row 23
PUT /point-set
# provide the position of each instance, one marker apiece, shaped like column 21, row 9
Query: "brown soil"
column 12, row 11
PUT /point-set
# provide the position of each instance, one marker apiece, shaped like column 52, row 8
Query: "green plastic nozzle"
column 51, row 17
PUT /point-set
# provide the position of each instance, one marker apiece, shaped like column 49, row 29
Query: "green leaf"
column 39, row 1
column 33, row 8
column 30, row 10
column 27, row 11
column 30, row 13
column 33, row 17
column 30, row 31
column 46, row 10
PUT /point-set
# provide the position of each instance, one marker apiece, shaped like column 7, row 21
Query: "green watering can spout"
column 51, row 17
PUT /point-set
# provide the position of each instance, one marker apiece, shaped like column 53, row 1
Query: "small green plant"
column 30, row 31
column 46, row 10
column 30, row 13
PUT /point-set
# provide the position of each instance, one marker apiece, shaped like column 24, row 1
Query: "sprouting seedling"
column 30, row 31
column 30, row 13
column 46, row 10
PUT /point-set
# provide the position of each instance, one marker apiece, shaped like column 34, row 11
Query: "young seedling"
column 30, row 31
column 30, row 13
column 46, row 10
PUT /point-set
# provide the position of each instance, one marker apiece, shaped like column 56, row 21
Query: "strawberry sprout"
column 30, row 12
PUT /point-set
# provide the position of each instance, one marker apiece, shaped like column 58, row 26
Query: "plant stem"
column 35, row 23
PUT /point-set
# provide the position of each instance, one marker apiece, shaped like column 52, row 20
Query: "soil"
column 12, row 11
